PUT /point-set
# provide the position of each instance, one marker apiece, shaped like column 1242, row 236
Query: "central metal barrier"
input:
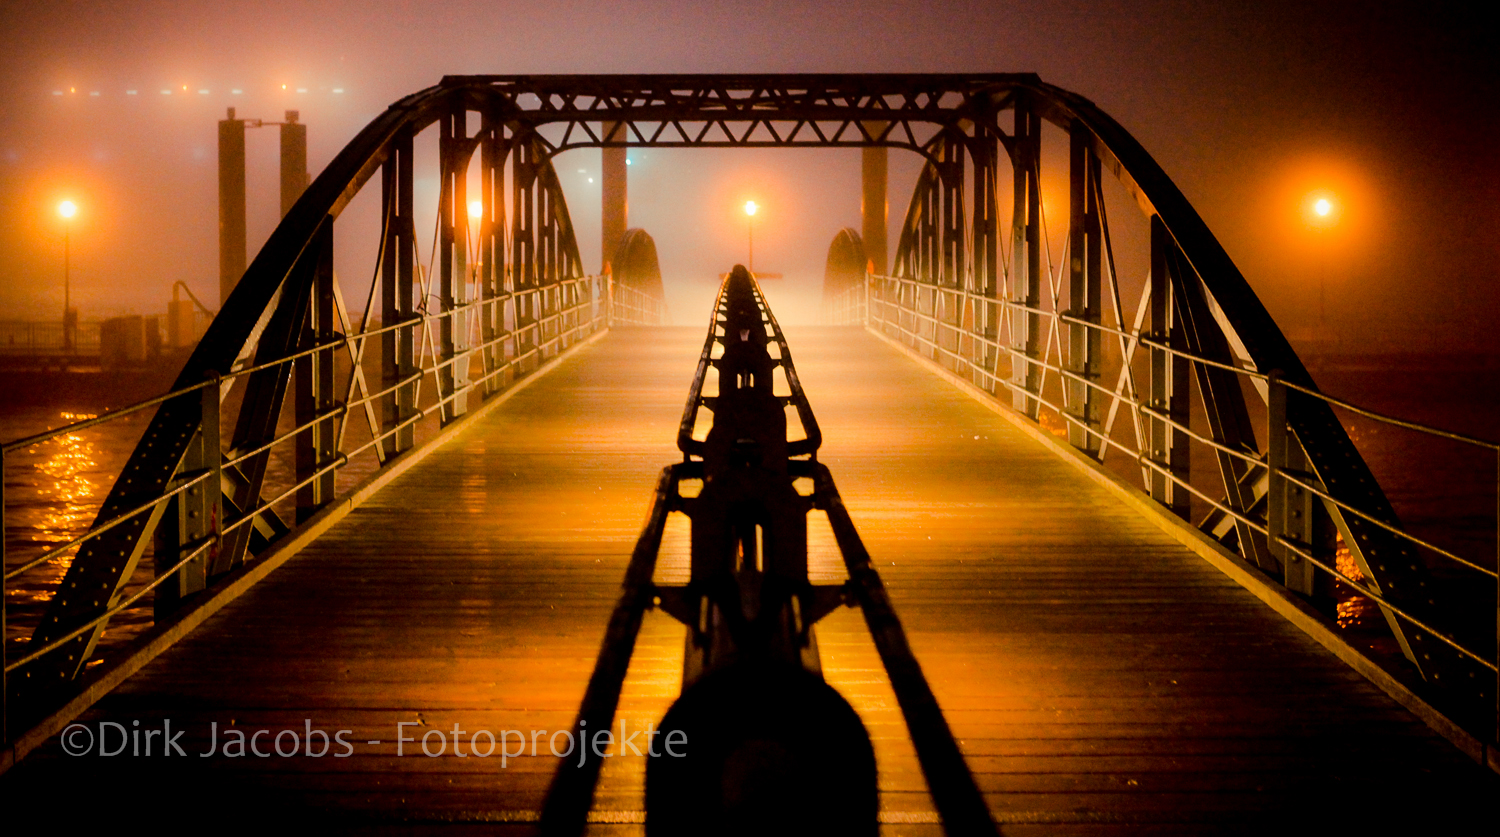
column 751, row 669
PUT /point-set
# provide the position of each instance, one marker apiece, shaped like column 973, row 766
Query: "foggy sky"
column 1247, row 108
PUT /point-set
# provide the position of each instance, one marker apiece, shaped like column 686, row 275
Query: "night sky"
column 1251, row 109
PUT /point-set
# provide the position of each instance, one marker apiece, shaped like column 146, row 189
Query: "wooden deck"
column 1100, row 677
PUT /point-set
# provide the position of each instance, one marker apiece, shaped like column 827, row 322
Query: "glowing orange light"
column 1323, row 207
column 476, row 209
column 67, row 209
column 750, row 207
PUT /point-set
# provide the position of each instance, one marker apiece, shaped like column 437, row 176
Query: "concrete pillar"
column 874, row 209
column 293, row 161
column 615, row 216
column 231, row 204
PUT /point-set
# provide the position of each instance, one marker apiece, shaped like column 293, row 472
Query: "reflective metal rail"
column 1303, row 516
column 749, row 607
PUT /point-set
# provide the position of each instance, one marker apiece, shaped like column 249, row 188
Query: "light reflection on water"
column 53, row 491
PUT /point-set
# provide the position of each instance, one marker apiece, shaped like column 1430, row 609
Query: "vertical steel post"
column 523, row 251
column 615, row 213
column 1085, row 279
column 453, row 222
column 293, row 161
column 314, row 373
column 986, row 256
column 873, row 207
column 1169, row 380
column 489, row 329
column 1289, row 508
column 1026, row 259
column 231, row 204
column 396, row 293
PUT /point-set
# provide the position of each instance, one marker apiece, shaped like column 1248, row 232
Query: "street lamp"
column 1323, row 216
column 67, row 209
column 750, row 209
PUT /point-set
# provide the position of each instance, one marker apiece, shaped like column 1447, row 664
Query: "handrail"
column 897, row 304
column 589, row 310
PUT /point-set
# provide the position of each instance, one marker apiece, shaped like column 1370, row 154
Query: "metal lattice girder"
column 535, row 117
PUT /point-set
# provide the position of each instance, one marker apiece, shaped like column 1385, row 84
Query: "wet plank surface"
column 1099, row 677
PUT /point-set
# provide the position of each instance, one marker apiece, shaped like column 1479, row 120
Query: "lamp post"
column 1322, row 210
column 67, row 209
column 750, row 209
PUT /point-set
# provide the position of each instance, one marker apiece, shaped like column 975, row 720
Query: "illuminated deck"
column 1098, row 675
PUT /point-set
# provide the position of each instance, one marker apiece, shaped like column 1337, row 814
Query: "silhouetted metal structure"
column 750, row 611
column 502, row 294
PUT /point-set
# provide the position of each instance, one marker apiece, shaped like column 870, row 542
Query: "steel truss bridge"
column 298, row 406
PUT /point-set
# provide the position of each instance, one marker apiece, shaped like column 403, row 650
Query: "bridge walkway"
column 1099, row 676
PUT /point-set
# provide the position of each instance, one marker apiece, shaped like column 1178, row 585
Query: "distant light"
column 184, row 88
column 67, row 209
column 283, row 87
column 583, row 171
column 72, row 90
column 338, row 89
column 166, row 92
column 627, row 161
column 236, row 92
column 57, row 92
column 1323, row 207
column 130, row 92
column 202, row 92
column 591, row 180
column 476, row 209
column 750, row 207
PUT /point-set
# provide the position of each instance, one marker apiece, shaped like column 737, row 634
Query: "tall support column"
column 1084, row 282
column 453, row 277
column 984, row 149
column 315, row 385
column 874, row 209
column 293, row 161
column 231, row 204
column 1026, row 259
column 398, row 360
column 1169, row 380
column 949, row 310
column 523, row 250
column 492, row 256
column 616, row 208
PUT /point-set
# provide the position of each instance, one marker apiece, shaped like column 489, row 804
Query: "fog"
column 1388, row 106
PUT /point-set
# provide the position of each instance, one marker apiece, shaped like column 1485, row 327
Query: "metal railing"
column 632, row 306
column 47, row 338
column 570, row 310
column 937, row 322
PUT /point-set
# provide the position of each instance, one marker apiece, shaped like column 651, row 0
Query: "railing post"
column 1169, row 381
column 1290, row 508
column 1026, row 260
column 396, row 291
column 314, row 379
column 197, row 512
column 1084, row 282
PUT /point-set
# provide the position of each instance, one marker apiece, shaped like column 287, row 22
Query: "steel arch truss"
column 497, row 300
column 496, row 297
column 1186, row 370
